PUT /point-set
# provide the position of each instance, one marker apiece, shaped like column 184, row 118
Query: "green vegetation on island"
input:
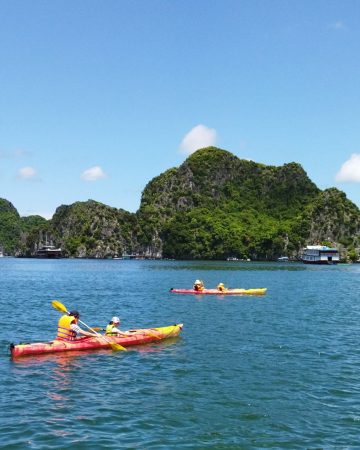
column 214, row 206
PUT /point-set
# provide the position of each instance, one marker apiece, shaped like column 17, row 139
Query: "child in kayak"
column 221, row 287
column 198, row 285
column 112, row 328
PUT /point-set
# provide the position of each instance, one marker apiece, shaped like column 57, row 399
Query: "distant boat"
column 1, row 254
column 49, row 251
column 283, row 259
column 320, row 254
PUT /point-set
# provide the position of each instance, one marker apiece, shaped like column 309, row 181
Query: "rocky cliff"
column 212, row 206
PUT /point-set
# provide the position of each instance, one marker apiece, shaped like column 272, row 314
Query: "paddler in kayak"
column 221, row 287
column 113, row 330
column 198, row 285
column 68, row 328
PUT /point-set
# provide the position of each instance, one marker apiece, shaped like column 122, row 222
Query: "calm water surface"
column 279, row 371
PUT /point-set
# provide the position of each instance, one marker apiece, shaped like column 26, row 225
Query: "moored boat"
column 237, row 291
column 283, row 259
column 320, row 254
column 136, row 337
column 49, row 251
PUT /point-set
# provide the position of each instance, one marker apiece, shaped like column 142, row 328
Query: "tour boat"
column 320, row 254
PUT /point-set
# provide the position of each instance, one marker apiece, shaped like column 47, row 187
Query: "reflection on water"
column 67, row 361
column 80, row 389
column 228, row 266
column 63, row 359
column 248, row 266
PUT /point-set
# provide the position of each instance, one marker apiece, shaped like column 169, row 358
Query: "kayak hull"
column 256, row 291
column 136, row 337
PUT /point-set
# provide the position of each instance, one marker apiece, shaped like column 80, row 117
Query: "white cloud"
column 32, row 212
column 93, row 174
column 350, row 170
column 198, row 137
column 27, row 173
column 339, row 25
column 19, row 153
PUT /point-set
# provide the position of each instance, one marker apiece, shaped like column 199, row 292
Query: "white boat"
column 283, row 259
column 49, row 251
column 320, row 254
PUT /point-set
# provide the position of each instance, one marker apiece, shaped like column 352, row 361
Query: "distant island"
column 214, row 206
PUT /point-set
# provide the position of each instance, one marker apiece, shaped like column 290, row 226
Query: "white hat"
column 197, row 282
column 115, row 320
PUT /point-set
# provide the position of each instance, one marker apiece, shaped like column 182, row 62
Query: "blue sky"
column 98, row 97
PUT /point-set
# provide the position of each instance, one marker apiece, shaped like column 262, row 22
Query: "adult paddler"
column 68, row 328
column 198, row 285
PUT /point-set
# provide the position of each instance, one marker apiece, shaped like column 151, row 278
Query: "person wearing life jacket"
column 112, row 328
column 221, row 287
column 68, row 328
column 198, row 285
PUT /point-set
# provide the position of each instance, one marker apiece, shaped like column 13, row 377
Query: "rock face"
column 10, row 229
column 334, row 218
column 215, row 178
column 212, row 206
column 94, row 230
column 216, row 205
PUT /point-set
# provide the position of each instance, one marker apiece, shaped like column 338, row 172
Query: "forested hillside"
column 215, row 205
column 9, row 227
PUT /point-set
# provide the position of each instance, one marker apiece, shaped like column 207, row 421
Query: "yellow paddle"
column 62, row 308
column 153, row 335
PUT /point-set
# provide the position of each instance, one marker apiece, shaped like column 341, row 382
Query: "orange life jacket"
column 65, row 333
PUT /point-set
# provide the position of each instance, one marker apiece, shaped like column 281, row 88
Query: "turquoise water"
column 279, row 371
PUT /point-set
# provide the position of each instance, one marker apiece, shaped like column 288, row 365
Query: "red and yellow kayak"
column 135, row 337
column 237, row 291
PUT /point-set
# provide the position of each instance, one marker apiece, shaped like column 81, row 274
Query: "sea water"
column 278, row 371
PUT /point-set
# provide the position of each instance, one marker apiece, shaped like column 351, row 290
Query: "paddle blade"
column 59, row 306
column 117, row 347
column 153, row 335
